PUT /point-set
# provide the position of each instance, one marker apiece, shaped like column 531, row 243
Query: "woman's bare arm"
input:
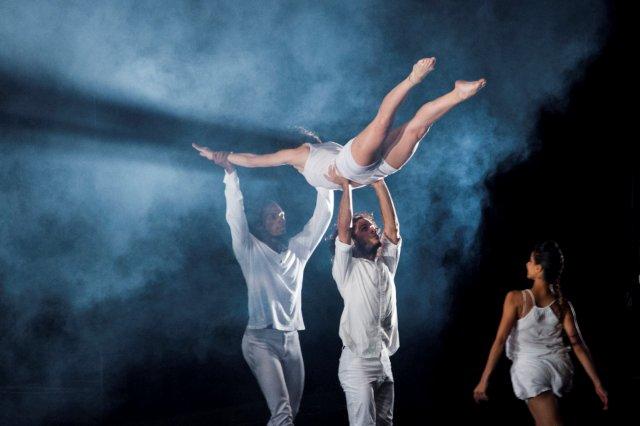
column 584, row 356
column 509, row 318
column 284, row 157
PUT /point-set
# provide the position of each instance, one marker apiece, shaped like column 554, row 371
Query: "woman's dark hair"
column 550, row 257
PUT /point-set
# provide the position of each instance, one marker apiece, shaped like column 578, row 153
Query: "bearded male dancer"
column 364, row 266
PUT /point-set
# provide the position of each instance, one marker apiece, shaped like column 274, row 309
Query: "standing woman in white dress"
column 531, row 327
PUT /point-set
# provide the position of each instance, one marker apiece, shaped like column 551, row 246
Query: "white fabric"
column 274, row 280
column 275, row 359
column 347, row 166
column 368, row 388
column 541, row 361
column 369, row 321
column 383, row 170
column 323, row 155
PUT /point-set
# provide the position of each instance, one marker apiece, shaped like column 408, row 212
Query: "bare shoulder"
column 297, row 157
column 566, row 309
column 299, row 151
column 305, row 147
column 513, row 298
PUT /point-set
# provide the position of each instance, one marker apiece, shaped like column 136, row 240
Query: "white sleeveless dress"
column 323, row 155
column 541, row 361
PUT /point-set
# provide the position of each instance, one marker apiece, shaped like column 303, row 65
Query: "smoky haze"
column 114, row 245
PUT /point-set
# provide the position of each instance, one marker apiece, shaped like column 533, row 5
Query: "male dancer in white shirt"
column 273, row 268
column 364, row 266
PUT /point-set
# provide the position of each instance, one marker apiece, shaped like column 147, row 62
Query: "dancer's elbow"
column 577, row 345
column 392, row 233
column 417, row 131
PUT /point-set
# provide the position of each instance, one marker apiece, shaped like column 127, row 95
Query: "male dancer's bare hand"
column 220, row 158
column 337, row 178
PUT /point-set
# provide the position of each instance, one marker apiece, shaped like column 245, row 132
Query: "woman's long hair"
column 307, row 135
column 550, row 257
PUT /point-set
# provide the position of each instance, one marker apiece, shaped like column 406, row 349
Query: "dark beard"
column 276, row 243
column 366, row 250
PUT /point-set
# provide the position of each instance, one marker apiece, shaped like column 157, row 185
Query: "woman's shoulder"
column 514, row 297
column 324, row 150
column 325, row 145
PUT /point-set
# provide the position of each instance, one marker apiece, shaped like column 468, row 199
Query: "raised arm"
column 389, row 216
column 279, row 158
column 291, row 157
column 343, row 256
column 509, row 318
column 583, row 354
column 308, row 239
column 235, row 215
column 345, row 213
column 236, row 218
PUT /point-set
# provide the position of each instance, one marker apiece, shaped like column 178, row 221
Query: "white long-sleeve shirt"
column 369, row 321
column 274, row 280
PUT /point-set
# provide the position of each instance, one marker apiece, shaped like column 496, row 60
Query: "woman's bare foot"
column 466, row 89
column 421, row 68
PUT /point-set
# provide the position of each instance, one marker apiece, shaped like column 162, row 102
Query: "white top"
column 537, row 334
column 321, row 156
column 369, row 322
column 541, row 362
column 274, row 280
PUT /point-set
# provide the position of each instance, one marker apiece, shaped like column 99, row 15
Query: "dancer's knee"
column 417, row 131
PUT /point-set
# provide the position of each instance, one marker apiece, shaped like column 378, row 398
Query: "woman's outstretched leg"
column 295, row 157
column 366, row 145
column 402, row 142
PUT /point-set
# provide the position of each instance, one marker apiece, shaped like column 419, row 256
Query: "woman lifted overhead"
column 377, row 151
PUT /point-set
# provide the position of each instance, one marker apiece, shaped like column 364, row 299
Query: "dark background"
column 170, row 354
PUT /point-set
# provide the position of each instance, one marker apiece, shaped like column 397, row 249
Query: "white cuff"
column 340, row 246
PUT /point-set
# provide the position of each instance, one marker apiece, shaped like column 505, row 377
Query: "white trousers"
column 275, row 359
column 368, row 388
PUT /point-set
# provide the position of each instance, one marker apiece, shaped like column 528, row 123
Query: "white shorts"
column 534, row 375
column 365, row 175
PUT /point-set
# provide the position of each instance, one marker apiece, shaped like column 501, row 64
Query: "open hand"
column 480, row 393
column 335, row 177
